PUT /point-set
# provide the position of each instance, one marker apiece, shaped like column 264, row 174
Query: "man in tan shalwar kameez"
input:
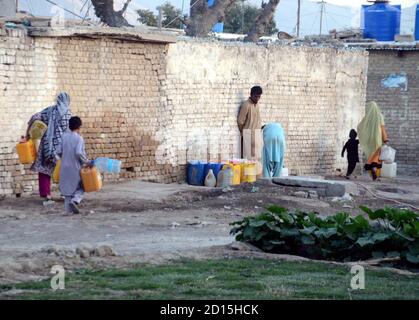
column 250, row 125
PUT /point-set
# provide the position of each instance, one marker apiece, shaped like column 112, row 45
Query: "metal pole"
column 183, row 5
column 242, row 31
column 298, row 18
column 321, row 16
column 159, row 23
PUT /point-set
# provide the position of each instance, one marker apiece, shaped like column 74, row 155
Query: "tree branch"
column 104, row 10
column 125, row 7
column 262, row 21
column 202, row 18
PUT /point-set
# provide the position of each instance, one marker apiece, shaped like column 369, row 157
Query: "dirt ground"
column 138, row 222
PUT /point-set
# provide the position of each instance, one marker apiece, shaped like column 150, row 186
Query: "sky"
column 339, row 14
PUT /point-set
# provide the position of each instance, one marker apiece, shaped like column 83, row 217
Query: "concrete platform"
column 326, row 188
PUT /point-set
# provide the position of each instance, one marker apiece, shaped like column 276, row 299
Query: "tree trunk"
column 104, row 10
column 262, row 21
column 202, row 18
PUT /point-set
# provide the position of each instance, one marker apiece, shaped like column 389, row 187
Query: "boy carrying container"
column 73, row 157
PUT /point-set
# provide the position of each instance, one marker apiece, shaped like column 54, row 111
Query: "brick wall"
column 316, row 94
column 400, row 106
column 155, row 105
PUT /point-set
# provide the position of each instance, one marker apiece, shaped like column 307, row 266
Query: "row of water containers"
column 381, row 21
column 212, row 174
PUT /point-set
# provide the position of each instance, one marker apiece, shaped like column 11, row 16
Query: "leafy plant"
column 389, row 232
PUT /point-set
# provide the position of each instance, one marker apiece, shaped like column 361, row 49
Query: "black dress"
column 351, row 147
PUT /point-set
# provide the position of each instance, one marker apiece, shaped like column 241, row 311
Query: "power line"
column 69, row 11
column 337, row 23
column 322, row 5
column 192, row 5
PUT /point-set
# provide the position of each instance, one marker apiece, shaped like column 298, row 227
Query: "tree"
column 241, row 17
column 263, row 21
column 171, row 15
column 106, row 13
column 147, row 17
column 202, row 17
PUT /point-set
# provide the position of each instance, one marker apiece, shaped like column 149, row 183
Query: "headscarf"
column 369, row 129
column 56, row 114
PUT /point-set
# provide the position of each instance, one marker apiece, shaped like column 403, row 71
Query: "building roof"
column 388, row 45
column 129, row 34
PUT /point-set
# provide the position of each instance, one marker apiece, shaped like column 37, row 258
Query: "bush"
column 389, row 232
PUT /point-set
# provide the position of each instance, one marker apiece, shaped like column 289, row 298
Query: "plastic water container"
column 210, row 180
column 236, row 168
column 387, row 154
column 26, row 151
column 284, row 172
column 56, row 173
column 37, row 130
column 215, row 167
column 108, row 165
column 91, row 179
column 225, row 178
column 195, row 175
column 389, row 170
column 249, row 172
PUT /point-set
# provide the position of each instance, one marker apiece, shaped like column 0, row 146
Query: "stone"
column 300, row 194
column 313, row 194
column 84, row 251
column 104, row 251
column 332, row 188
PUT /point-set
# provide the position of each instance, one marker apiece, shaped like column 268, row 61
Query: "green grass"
column 224, row 279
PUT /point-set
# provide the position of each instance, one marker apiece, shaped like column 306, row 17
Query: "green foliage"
column 147, row 17
column 171, row 16
column 241, row 17
column 390, row 232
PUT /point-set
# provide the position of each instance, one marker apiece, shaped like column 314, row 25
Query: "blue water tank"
column 381, row 21
column 364, row 6
column 417, row 23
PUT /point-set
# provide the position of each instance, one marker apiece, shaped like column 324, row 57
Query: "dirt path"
column 145, row 222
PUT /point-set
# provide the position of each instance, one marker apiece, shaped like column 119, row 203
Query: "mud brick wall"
column 316, row 94
column 155, row 106
column 399, row 102
column 114, row 87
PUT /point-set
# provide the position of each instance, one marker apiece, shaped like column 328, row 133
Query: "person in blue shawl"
column 273, row 149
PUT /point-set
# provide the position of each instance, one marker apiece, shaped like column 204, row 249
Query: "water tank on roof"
column 381, row 21
column 417, row 23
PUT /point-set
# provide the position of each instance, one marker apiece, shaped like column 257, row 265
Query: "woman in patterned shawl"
column 56, row 118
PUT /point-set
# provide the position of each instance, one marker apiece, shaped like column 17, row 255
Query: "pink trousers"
column 44, row 185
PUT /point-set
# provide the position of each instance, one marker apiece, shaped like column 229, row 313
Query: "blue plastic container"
column 195, row 174
column 381, row 21
column 108, row 165
column 218, row 27
column 417, row 24
column 216, row 168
